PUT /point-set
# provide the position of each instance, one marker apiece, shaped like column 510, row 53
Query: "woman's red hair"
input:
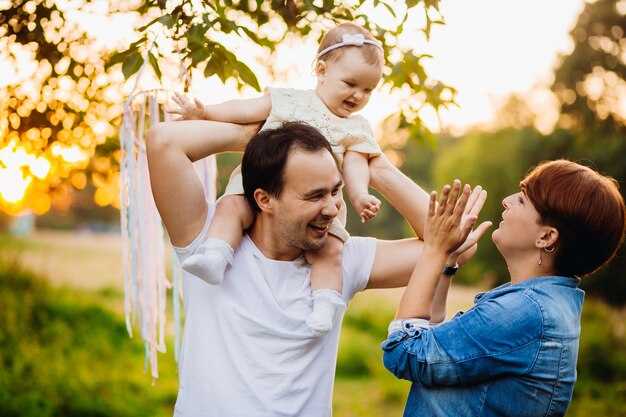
column 585, row 207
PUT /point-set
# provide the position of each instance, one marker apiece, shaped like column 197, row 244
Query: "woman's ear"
column 263, row 200
column 549, row 237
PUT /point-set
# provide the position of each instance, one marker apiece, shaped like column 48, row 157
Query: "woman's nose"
column 505, row 202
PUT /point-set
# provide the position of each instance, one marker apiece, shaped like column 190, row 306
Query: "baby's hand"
column 367, row 206
column 188, row 110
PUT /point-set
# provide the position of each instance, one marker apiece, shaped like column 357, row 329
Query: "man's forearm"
column 356, row 175
column 404, row 194
column 178, row 193
column 198, row 139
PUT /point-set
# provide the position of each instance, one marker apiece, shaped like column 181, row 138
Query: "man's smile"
column 319, row 228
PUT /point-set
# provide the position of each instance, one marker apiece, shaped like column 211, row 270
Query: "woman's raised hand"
column 448, row 224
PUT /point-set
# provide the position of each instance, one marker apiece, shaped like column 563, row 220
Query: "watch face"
column 450, row 270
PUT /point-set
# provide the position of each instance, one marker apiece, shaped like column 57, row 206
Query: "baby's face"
column 346, row 84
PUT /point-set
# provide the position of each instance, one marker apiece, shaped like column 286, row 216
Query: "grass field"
column 91, row 264
column 64, row 349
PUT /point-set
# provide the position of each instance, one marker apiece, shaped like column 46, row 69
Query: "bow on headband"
column 348, row 39
column 356, row 39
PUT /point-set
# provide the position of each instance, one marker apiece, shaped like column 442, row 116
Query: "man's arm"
column 393, row 266
column 172, row 147
column 395, row 260
column 404, row 194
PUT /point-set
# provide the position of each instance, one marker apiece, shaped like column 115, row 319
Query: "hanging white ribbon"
column 143, row 241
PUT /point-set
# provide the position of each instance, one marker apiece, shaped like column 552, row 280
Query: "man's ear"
column 263, row 200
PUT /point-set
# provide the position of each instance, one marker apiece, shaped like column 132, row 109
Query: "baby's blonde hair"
column 372, row 54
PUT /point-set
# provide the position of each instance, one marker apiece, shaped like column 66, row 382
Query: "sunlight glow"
column 482, row 51
column 14, row 184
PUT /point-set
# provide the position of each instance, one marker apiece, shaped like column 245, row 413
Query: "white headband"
column 350, row 40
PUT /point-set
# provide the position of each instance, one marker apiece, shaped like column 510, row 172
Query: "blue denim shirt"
column 512, row 354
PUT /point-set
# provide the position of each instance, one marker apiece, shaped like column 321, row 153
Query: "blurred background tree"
column 59, row 122
column 61, row 92
column 589, row 82
column 61, row 100
column 58, row 104
column 590, row 90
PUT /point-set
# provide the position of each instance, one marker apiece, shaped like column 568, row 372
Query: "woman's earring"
column 547, row 251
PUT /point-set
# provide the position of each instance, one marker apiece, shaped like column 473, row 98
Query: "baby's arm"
column 356, row 175
column 239, row 111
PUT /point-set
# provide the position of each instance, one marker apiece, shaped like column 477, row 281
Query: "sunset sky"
column 486, row 50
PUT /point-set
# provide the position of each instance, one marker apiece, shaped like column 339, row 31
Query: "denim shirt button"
column 478, row 297
column 410, row 329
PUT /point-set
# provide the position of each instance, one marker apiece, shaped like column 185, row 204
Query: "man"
column 247, row 350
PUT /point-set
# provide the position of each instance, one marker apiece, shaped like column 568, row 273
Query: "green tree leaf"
column 155, row 65
column 131, row 64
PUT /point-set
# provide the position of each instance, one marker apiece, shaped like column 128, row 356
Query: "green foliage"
column 197, row 26
column 597, row 56
column 363, row 386
column 499, row 160
column 63, row 355
column 600, row 389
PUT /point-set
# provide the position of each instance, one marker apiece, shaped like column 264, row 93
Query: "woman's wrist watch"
column 449, row 270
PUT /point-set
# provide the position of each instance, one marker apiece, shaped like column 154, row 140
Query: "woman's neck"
column 527, row 268
column 526, row 271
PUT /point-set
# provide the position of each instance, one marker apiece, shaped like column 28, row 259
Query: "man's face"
column 310, row 199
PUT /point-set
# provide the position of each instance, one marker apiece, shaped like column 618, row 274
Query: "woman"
column 514, row 352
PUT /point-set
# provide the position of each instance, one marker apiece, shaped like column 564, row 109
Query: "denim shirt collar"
column 548, row 279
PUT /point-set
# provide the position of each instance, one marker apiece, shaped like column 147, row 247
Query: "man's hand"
column 251, row 129
column 188, row 110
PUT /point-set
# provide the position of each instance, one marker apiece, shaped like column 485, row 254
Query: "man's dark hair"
column 266, row 154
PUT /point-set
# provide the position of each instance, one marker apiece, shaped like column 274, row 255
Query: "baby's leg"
column 326, row 286
column 232, row 217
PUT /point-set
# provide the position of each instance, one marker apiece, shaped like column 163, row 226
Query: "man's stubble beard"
column 299, row 240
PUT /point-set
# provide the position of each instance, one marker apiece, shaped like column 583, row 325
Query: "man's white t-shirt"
column 246, row 350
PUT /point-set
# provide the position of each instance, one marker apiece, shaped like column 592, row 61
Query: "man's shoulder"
column 359, row 240
column 357, row 247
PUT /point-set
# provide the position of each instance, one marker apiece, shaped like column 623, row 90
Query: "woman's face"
column 520, row 226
